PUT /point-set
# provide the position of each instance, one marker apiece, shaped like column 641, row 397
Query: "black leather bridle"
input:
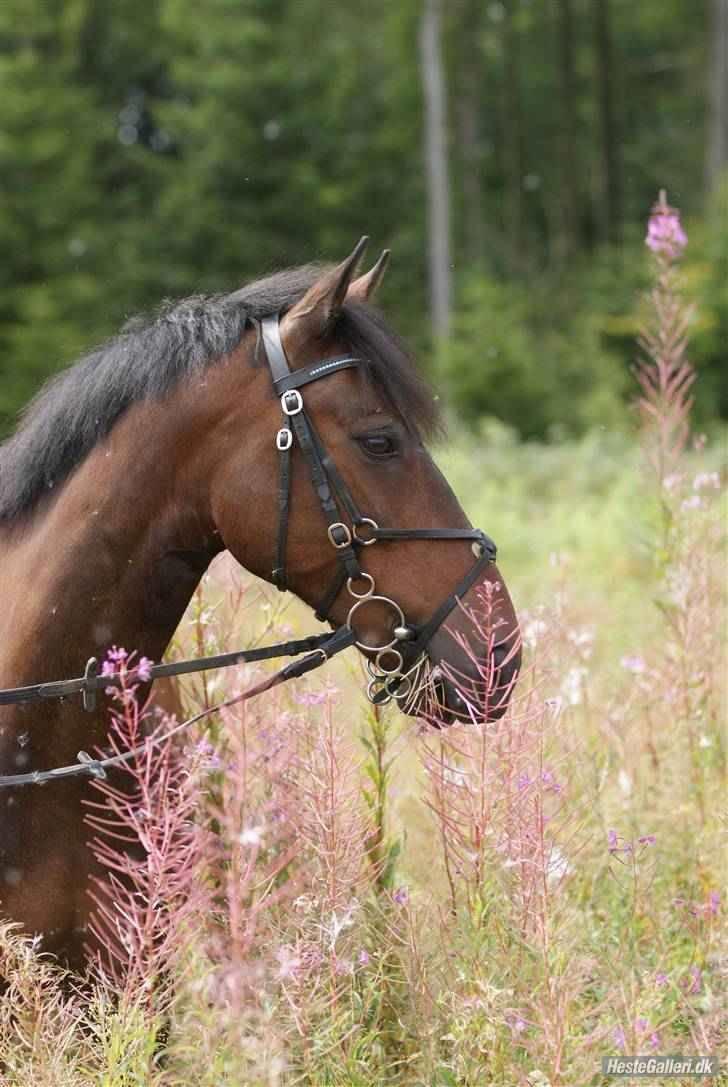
column 394, row 666
column 396, row 662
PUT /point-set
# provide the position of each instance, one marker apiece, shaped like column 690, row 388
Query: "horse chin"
column 444, row 705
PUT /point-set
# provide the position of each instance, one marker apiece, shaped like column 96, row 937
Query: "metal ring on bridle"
column 404, row 686
column 369, row 540
column 374, row 688
column 384, row 653
column 360, row 577
column 369, row 600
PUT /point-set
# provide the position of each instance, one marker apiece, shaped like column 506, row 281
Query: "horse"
column 136, row 466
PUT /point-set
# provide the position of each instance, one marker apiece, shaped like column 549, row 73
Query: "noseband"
column 397, row 662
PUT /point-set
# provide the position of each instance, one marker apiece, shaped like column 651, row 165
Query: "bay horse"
column 136, row 466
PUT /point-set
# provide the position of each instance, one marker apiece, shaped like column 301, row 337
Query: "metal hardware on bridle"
column 408, row 644
column 336, row 499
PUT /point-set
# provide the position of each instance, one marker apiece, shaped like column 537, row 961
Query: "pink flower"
column 647, row 839
column 613, row 840
column 550, row 782
column 363, row 957
column 665, row 235
column 401, row 896
column 636, row 665
column 661, row 980
column 518, row 1025
column 619, row 1039
column 144, row 669
column 696, row 980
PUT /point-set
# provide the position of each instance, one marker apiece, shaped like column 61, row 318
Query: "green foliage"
column 149, row 152
column 512, row 362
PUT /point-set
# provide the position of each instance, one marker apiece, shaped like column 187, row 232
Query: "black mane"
column 79, row 407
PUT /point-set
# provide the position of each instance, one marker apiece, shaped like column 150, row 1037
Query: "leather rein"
column 395, row 664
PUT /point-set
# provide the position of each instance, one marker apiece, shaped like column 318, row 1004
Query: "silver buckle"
column 297, row 403
column 346, row 542
column 284, row 439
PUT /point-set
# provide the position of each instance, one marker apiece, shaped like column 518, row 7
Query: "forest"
column 508, row 152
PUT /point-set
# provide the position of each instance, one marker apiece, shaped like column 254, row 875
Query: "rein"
column 396, row 664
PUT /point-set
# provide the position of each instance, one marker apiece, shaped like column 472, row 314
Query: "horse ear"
column 363, row 288
column 314, row 313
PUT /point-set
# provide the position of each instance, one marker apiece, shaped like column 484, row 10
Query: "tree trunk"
column 569, row 196
column 438, row 188
column 513, row 137
column 611, row 216
column 467, row 111
column 717, row 142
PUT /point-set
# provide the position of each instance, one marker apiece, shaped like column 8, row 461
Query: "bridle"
column 394, row 667
column 396, row 663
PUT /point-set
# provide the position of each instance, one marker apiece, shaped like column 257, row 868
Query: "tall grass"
column 326, row 894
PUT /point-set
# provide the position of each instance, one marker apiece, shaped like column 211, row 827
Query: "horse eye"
column 378, row 445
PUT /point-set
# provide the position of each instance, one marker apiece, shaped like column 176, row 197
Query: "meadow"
column 334, row 895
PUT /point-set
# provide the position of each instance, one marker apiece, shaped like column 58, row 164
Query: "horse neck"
column 114, row 558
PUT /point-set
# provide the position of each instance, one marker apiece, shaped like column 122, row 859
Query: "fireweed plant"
column 300, row 889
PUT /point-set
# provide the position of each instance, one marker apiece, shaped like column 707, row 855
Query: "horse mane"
column 79, row 407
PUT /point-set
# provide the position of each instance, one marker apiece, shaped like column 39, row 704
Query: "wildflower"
column 316, row 698
column 696, row 981
column 523, row 781
column 363, row 957
column 694, row 502
column 636, row 665
column 401, row 896
column 289, row 963
column 661, row 980
column 713, row 903
column 665, row 234
column 573, row 685
column 251, row 836
column 655, row 1040
column 647, row 839
column 533, row 630
column 619, row 1039
column 557, row 866
column 625, row 782
column 704, row 480
column 549, row 782
column 144, row 669
column 518, row 1024
column 582, row 640
column 613, row 840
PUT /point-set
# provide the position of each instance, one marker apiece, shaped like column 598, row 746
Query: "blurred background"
column 508, row 151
